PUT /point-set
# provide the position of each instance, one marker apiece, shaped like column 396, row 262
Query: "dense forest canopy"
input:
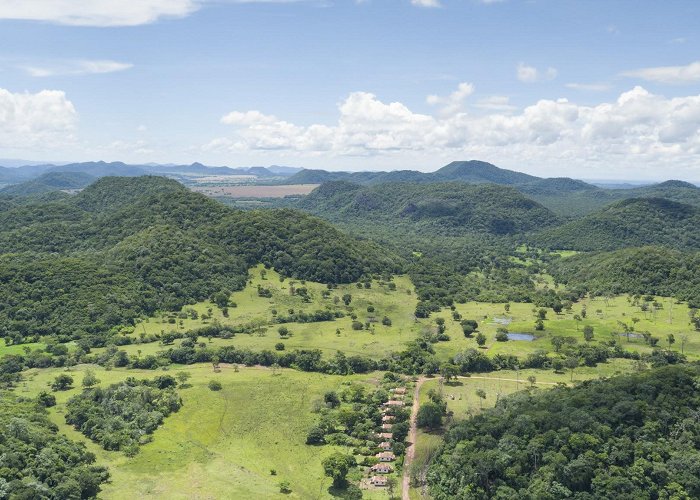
column 37, row 461
column 126, row 247
column 630, row 437
column 629, row 223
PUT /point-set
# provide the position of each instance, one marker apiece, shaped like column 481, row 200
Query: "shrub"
column 214, row 385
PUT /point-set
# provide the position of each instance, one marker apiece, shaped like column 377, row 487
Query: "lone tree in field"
column 63, row 382
column 337, row 466
column 481, row 394
column 183, row 377
column 480, row 339
column 588, row 333
column 533, row 380
column 90, row 379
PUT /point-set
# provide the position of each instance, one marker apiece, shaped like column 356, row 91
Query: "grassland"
column 605, row 315
column 221, row 444
column 329, row 336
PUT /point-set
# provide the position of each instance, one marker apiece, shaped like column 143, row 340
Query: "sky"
column 593, row 89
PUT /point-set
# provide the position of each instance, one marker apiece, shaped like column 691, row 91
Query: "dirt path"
column 412, row 438
column 413, row 432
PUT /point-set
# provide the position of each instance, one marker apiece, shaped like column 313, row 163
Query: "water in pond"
column 521, row 336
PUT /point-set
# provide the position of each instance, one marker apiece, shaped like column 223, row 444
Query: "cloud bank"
column 638, row 128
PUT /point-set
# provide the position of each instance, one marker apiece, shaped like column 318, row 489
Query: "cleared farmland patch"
column 254, row 191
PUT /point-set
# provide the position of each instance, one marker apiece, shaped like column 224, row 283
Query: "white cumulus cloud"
column 454, row 102
column 426, row 3
column 637, row 129
column 41, row 119
column 96, row 12
column 668, row 74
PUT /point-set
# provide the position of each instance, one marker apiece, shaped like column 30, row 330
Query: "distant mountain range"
column 564, row 196
column 15, row 175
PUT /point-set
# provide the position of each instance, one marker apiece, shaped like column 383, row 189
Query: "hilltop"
column 50, row 181
column 128, row 246
column 629, row 223
column 448, row 208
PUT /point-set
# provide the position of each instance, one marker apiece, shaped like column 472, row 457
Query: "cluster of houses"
column 386, row 456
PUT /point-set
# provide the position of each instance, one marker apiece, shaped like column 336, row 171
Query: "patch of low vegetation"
column 124, row 415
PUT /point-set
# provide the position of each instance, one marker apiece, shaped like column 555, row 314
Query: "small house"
column 385, row 435
column 378, row 481
column 399, row 390
column 386, row 456
column 385, row 445
column 382, row 469
column 386, row 427
column 387, row 418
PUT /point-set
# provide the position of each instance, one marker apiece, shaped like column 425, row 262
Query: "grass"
column 257, row 312
column 220, row 444
column 603, row 315
column 19, row 348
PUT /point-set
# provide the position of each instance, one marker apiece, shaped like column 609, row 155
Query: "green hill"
column 644, row 270
column 445, row 208
column 629, row 223
column 51, row 181
column 124, row 247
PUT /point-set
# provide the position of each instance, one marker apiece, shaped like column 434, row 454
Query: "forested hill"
column 443, row 208
column 630, row 223
column 124, row 247
column 473, row 172
column 51, row 181
column 629, row 437
column 644, row 270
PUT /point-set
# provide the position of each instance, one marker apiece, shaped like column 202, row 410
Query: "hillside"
column 644, row 270
column 123, row 247
column 449, row 208
column 51, row 181
column 581, row 442
column 629, row 223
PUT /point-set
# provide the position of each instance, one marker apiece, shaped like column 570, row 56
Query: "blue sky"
column 591, row 89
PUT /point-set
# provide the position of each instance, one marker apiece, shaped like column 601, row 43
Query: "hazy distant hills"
column 99, row 169
column 50, row 181
column 566, row 197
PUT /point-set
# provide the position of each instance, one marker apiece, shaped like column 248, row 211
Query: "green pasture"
column 257, row 312
column 603, row 314
column 220, row 444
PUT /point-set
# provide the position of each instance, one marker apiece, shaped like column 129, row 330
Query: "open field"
column 604, row 315
column 251, row 309
column 220, row 444
column 255, row 191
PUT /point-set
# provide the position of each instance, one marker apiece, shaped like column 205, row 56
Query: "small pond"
column 521, row 336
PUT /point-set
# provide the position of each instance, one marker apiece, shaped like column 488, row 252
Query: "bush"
column 502, row 336
column 356, row 325
column 214, row 385
column 279, row 346
column 62, row 382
